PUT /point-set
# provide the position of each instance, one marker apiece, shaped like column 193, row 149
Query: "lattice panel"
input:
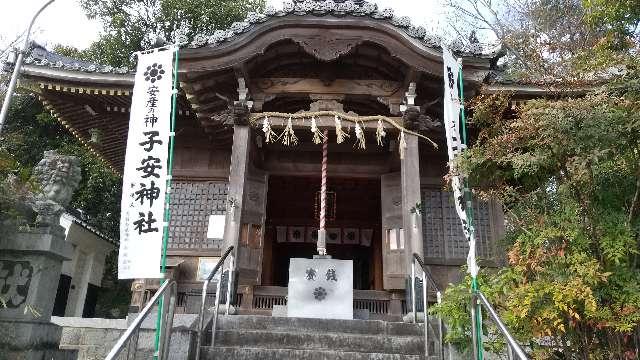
column 482, row 217
column 442, row 231
column 191, row 205
column 432, row 223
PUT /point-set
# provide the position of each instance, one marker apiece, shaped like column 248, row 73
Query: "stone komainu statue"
column 56, row 177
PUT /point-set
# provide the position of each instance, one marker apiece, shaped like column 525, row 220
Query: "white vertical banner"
column 452, row 108
column 145, row 170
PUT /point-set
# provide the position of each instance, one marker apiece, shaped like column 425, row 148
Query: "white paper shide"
column 145, row 170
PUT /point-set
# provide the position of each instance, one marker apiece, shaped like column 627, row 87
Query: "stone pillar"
column 30, row 265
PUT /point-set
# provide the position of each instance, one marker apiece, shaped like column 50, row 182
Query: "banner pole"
column 477, row 315
column 167, row 202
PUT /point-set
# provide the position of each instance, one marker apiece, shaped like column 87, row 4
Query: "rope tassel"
column 288, row 136
column 340, row 134
column 317, row 135
column 402, row 145
column 380, row 133
column 269, row 134
column 360, row 140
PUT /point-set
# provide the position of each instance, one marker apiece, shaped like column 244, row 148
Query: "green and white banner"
column 145, row 170
column 455, row 145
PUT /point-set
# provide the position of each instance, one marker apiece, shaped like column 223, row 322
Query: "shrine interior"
column 354, row 205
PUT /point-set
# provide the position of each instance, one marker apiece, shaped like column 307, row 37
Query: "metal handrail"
column 426, row 275
column 417, row 258
column 512, row 345
column 205, row 286
column 165, row 328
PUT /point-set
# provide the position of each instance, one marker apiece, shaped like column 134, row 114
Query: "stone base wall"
column 93, row 338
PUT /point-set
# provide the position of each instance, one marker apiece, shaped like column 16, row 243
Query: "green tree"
column 568, row 173
column 567, row 170
column 563, row 42
column 29, row 132
column 620, row 19
column 131, row 25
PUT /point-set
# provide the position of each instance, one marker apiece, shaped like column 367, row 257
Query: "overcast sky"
column 64, row 22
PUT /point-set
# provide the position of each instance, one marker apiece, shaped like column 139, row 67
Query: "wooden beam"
column 316, row 86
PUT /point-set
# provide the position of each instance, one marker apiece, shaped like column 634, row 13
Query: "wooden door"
column 251, row 240
column 394, row 258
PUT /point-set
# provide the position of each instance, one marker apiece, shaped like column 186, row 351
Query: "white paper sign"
column 206, row 265
column 215, row 230
column 145, row 171
column 452, row 107
column 320, row 288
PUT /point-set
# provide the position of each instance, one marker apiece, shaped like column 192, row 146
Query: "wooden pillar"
column 237, row 180
column 247, row 298
column 244, row 225
column 395, row 306
column 411, row 219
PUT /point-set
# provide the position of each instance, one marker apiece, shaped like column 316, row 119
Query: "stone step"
column 57, row 354
column 324, row 326
column 408, row 345
column 247, row 353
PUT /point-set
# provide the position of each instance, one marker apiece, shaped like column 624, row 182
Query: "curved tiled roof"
column 40, row 56
column 336, row 8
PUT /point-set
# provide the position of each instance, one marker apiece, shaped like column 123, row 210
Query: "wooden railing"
column 380, row 305
column 265, row 297
column 260, row 300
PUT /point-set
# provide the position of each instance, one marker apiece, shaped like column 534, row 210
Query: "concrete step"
column 61, row 354
column 408, row 345
column 265, row 337
column 323, row 326
column 253, row 337
column 247, row 353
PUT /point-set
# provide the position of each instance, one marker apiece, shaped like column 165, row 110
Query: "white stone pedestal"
column 320, row 288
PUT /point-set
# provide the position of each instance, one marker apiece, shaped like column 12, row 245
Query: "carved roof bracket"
column 243, row 93
column 413, row 116
column 326, row 48
column 409, row 98
column 326, row 105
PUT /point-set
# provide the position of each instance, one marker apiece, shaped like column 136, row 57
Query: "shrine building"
column 387, row 197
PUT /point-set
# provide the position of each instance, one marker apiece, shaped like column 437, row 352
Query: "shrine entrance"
column 353, row 226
